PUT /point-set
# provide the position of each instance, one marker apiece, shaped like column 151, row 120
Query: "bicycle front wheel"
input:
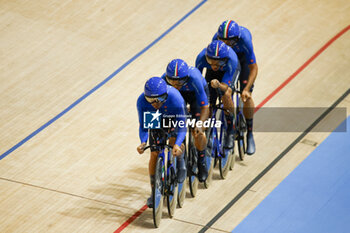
column 158, row 191
column 171, row 193
column 193, row 181
column 241, row 136
column 241, row 150
column 223, row 153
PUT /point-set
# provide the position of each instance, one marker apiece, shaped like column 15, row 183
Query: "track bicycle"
column 240, row 126
column 165, row 180
column 216, row 140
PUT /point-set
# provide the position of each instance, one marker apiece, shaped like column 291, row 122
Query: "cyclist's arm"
column 223, row 87
column 227, row 79
column 201, row 96
column 204, row 112
column 143, row 133
column 181, row 133
column 252, row 75
column 180, row 113
column 250, row 57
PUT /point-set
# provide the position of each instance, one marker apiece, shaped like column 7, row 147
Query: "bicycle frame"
column 165, row 180
column 169, row 158
column 218, row 143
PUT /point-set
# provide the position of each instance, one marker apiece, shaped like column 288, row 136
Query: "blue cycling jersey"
column 230, row 67
column 244, row 47
column 195, row 83
column 174, row 105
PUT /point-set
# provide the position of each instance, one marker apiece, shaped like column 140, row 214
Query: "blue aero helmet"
column 217, row 50
column 177, row 72
column 156, row 90
column 229, row 32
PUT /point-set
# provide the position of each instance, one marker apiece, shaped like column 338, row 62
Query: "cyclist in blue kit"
column 223, row 69
column 194, row 89
column 163, row 99
column 240, row 40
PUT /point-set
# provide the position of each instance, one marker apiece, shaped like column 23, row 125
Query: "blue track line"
column 100, row 84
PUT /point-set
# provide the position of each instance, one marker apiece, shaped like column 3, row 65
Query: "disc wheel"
column 224, row 163
column 210, row 166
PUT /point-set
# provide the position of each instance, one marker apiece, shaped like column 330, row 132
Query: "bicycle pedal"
column 225, row 152
column 169, row 192
column 190, row 172
column 193, row 171
column 173, row 175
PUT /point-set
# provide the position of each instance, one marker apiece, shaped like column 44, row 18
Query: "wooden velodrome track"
column 68, row 151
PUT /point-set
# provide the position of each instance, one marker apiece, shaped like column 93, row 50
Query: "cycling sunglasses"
column 216, row 62
column 176, row 81
column 229, row 41
column 157, row 99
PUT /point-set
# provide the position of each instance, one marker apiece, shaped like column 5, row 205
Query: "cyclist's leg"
column 248, row 109
column 227, row 99
column 210, row 75
column 180, row 165
column 200, row 138
column 195, row 110
column 228, row 104
column 243, row 79
column 200, row 142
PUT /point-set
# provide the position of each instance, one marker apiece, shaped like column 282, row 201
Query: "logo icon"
column 151, row 120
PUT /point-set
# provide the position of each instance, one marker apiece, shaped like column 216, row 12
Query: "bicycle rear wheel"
column 158, row 191
column 224, row 163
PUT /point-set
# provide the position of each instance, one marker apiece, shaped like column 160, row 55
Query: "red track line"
column 131, row 219
column 301, row 68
